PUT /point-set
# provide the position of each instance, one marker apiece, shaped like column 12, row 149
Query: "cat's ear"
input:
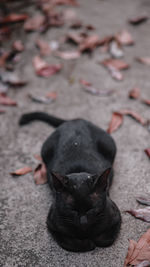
column 102, row 181
column 59, row 181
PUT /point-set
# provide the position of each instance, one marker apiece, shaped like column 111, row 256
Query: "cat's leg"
column 74, row 244
column 108, row 237
column 49, row 146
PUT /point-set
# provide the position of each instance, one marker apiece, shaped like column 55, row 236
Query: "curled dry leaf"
column 115, row 50
column 65, row 2
column 116, row 63
column 12, row 78
column 138, row 19
column 40, row 99
column 147, row 151
column 74, row 37
column 34, row 23
column 142, row 214
column 138, row 251
column 67, row 55
column 88, row 87
column 22, row 171
column 89, row 43
column 7, row 101
column 43, row 69
column 144, row 60
column 44, row 47
column 13, row 18
column 143, row 264
column 134, row 93
column 145, row 200
column 134, row 115
column 146, row 101
column 40, row 174
column 124, row 38
column 115, row 123
column 18, row 46
column 115, row 73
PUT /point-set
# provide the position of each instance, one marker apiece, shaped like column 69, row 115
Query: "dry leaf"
column 44, row 47
column 115, row 73
column 12, row 78
column 38, row 157
column 65, row 2
column 7, row 101
column 144, row 60
column 116, row 63
column 89, row 43
column 22, row 171
column 76, row 38
column 147, row 151
column 139, row 251
column 134, row 93
column 146, row 101
column 143, row 264
column 35, row 23
column 40, row 174
column 115, row 50
column 52, row 95
column 138, row 19
column 43, row 69
column 88, row 87
column 142, row 214
column 115, row 123
column 145, row 200
column 124, row 38
column 13, row 18
column 106, row 40
column 40, row 99
column 18, row 46
column 68, row 54
column 134, row 115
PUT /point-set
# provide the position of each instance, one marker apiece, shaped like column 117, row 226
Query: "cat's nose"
column 83, row 221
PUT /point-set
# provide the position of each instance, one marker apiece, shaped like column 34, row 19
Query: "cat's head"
column 81, row 196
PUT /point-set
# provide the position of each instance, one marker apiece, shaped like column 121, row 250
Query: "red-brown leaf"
column 115, row 73
column 144, row 263
column 115, row 123
column 43, row 69
column 65, row 2
column 138, row 19
column 35, row 23
column 134, row 115
column 124, row 38
column 40, row 174
column 67, row 55
column 142, row 214
column 146, row 101
column 89, row 43
column 116, row 63
column 139, row 251
column 77, row 38
column 44, row 47
column 52, row 95
column 21, row 171
column 145, row 200
column 6, row 100
column 18, row 46
column 13, row 18
column 134, row 93
column 147, row 151
column 144, row 60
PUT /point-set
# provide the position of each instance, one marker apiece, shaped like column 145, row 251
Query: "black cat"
column 79, row 157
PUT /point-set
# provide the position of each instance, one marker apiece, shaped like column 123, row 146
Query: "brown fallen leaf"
column 90, row 27
column 147, row 151
column 6, row 100
column 145, row 200
column 43, row 69
column 35, row 23
column 138, row 19
column 144, row 60
column 138, row 251
column 38, row 157
column 22, row 171
column 40, row 174
column 88, row 87
column 146, row 101
column 13, row 18
column 106, row 40
column 65, row 2
column 134, row 115
column 67, row 55
column 12, row 78
column 52, row 95
column 115, row 73
column 89, row 43
column 116, row 63
column 18, row 46
column 74, row 37
column 143, row 264
column 44, row 47
column 124, row 38
column 142, row 214
column 115, row 123
column 134, row 93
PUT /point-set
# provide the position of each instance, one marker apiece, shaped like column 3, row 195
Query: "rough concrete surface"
column 24, row 239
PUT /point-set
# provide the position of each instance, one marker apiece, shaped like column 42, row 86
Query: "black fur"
column 79, row 158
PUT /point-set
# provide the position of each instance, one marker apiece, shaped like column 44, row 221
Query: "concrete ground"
column 24, row 239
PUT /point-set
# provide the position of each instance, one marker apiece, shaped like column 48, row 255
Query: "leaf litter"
column 88, row 87
column 42, row 68
column 22, row 171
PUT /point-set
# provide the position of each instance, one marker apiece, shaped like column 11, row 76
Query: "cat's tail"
column 40, row 116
